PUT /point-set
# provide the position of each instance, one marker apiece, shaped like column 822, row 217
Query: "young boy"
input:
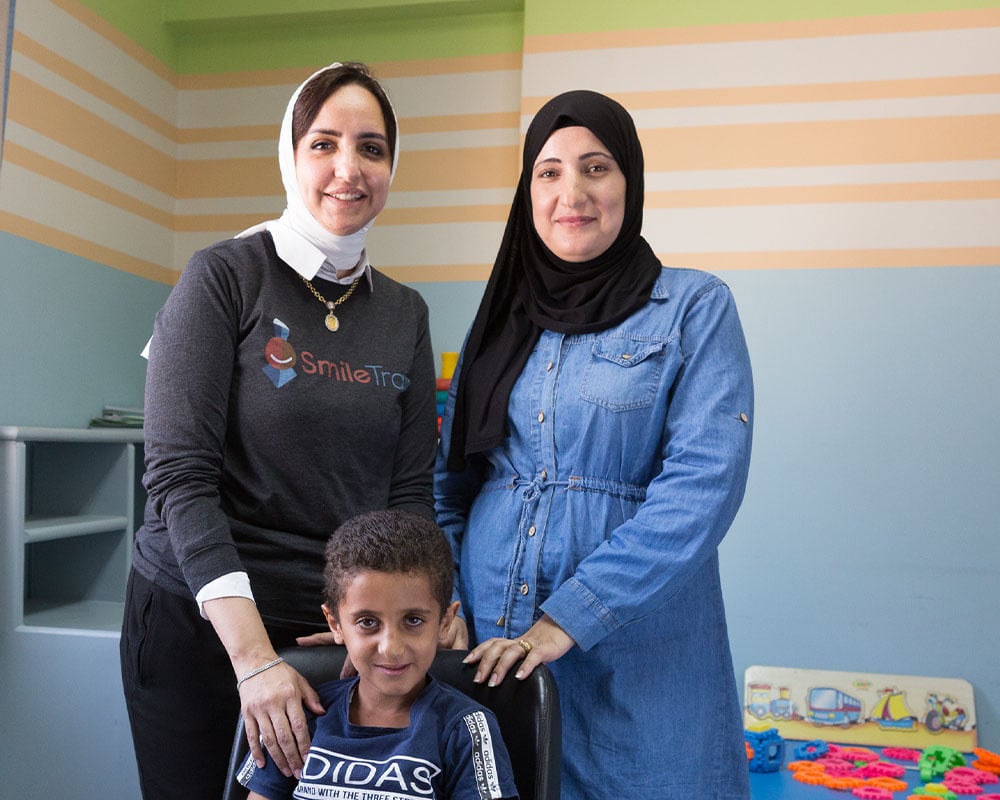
column 392, row 732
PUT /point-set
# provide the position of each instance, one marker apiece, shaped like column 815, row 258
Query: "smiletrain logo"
column 282, row 358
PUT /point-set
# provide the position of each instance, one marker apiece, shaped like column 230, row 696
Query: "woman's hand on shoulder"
column 272, row 704
column 543, row 643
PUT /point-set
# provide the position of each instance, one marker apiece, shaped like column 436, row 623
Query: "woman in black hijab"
column 594, row 452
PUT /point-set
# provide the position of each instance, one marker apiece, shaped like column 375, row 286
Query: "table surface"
column 781, row 785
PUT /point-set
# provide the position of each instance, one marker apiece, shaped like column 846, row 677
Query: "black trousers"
column 180, row 692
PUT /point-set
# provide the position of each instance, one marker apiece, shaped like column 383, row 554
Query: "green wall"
column 553, row 16
column 198, row 36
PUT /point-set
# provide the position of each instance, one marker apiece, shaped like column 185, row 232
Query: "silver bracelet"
column 260, row 669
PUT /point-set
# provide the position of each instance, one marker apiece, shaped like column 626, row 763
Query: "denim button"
column 541, row 416
column 524, row 588
column 531, row 531
column 548, row 367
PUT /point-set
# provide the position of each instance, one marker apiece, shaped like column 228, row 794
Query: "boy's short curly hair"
column 392, row 541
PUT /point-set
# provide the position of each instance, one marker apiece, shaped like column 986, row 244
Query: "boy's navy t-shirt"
column 452, row 749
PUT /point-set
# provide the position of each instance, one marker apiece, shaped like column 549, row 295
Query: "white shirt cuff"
column 234, row 584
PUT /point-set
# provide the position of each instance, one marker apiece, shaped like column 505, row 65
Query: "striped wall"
column 859, row 142
column 847, row 142
column 114, row 158
column 90, row 157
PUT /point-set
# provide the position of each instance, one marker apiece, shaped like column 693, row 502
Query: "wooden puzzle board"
column 861, row 708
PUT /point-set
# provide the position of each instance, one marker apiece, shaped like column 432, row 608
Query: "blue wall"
column 868, row 538
column 72, row 331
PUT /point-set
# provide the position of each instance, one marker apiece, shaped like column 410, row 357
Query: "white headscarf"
column 298, row 238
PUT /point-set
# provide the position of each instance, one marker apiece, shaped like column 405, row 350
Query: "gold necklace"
column 332, row 323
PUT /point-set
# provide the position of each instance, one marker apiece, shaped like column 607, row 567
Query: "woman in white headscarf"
column 290, row 387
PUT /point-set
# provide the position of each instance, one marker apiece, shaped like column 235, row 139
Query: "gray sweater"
column 264, row 430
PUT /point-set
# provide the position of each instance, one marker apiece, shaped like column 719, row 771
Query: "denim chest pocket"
column 623, row 374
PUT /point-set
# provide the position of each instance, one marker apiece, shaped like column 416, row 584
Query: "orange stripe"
column 871, row 141
column 839, row 259
column 119, row 40
column 797, row 93
column 60, row 240
column 293, row 76
column 759, row 31
column 92, row 85
column 458, row 168
column 744, row 261
column 52, row 115
column 228, row 177
column 847, row 193
column 460, row 122
column 451, row 273
column 215, row 223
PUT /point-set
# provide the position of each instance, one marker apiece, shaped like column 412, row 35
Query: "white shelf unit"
column 71, row 501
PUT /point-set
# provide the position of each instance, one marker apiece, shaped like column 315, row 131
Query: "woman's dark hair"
column 391, row 541
column 321, row 86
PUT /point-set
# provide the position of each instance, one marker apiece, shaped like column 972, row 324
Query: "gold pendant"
column 332, row 323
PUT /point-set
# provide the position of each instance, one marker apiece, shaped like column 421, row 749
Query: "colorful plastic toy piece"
column 856, row 754
column 988, row 761
column 936, row 761
column 768, row 750
column 839, row 768
column 887, row 783
column 881, row 768
column 872, row 793
column 810, row 751
column 804, row 766
column 970, row 775
column 813, row 777
column 834, row 761
column 963, row 787
column 843, row 784
column 936, row 790
column 990, row 796
column 901, row 753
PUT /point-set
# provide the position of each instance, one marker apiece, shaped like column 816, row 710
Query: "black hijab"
column 531, row 289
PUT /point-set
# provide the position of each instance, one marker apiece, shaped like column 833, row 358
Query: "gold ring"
column 525, row 645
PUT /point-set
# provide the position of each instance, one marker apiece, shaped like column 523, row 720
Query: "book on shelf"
column 118, row 417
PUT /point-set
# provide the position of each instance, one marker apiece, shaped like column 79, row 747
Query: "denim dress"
column 626, row 463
